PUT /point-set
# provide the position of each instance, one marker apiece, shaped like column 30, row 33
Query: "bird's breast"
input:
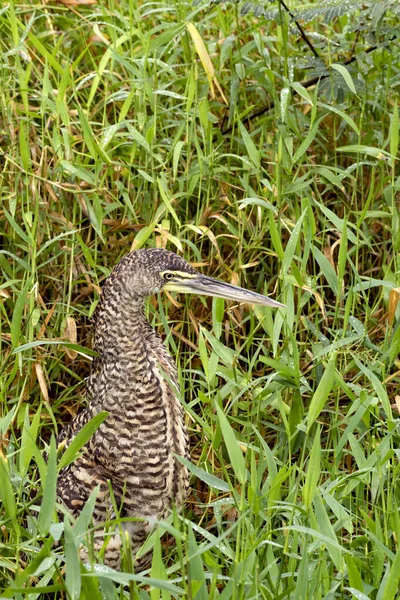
column 145, row 428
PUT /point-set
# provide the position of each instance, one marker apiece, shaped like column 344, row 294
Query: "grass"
column 115, row 134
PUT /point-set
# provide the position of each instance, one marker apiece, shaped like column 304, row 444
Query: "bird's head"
column 148, row 271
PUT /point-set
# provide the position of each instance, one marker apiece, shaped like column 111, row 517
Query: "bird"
column 135, row 379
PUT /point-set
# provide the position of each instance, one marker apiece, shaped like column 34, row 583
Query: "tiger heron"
column 135, row 380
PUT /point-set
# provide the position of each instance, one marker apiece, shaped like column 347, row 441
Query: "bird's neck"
column 120, row 324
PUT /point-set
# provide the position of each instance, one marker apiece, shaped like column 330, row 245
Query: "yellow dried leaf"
column 42, row 381
column 394, row 297
column 70, row 334
column 205, row 60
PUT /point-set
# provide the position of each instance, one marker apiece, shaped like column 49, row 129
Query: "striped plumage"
column 135, row 380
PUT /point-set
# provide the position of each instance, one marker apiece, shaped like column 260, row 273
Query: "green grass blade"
column 313, row 471
column 322, row 392
column 209, row 479
column 81, row 438
column 48, row 504
column 7, row 493
column 72, row 564
column 232, row 446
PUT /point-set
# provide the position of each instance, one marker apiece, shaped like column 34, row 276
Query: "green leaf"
column 196, row 580
column 162, row 186
column 85, row 516
column 76, row 347
column 49, row 491
column 391, row 585
column 17, row 315
column 72, row 564
column 78, row 172
column 346, row 76
column 292, row 243
column 361, row 149
column 81, row 438
column 341, row 114
column 301, row 91
column 322, row 392
column 252, row 151
column 232, row 446
column 177, row 153
column 28, row 438
column 225, row 354
column 209, row 479
column 378, row 387
column 158, row 571
column 7, row 492
column 308, row 139
column 354, row 574
column 94, row 148
column 313, row 470
column 325, row 527
column 327, row 269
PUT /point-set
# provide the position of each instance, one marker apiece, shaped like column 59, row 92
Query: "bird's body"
column 135, row 380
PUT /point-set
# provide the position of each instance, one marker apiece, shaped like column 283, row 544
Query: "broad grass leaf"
column 326, row 528
column 107, row 56
column 196, row 579
column 368, row 150
column 313, row 470
column 85, row 516
column 78, row 172
column 252, row 151
column 94, row 148
column 378, row 387
column 308, row 140
column 158, row 571
column 81, row 438
column 16, row 228
column 292, row 243
column 142, row 236
column 341, row 114
column 232, row 446
column 176, row 156
column 326, row 269
column 322, row 392
column 7, row 492
column 5, row 422
column 346, row 76
column 218, row 310
column 17, row 315
column 338, row 222
column 353, row 573
column 72, row 564
column 301, row 90
column 225, row 354
column 203, row 475
column 91, row 590
column 389, row 588
column 275, row 236
column 82, row 350
column 49, row 490
column 125, row 578
column 162, row 186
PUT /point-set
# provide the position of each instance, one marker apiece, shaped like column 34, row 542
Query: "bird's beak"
column 208, row 286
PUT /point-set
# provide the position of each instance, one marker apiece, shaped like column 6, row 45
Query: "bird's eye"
column 168, row 276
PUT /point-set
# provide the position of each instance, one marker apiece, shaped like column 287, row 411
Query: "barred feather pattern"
column 135, row 380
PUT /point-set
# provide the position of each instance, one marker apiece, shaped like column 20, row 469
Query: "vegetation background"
column 260, row 142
